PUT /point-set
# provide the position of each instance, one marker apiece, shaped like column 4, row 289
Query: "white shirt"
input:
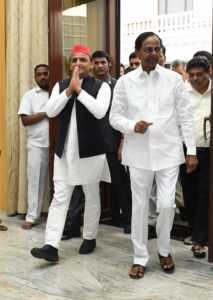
column 79, row 170
column 201, row 106
column 33, row 102
column 160, row 98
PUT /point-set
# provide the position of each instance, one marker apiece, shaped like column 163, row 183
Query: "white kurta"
column 79, row 171
column 161, row 98
column 201, row 106
column 33, row 102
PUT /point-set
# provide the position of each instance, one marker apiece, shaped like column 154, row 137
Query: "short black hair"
column 122, row 65
column 132, row 55
column 163, row 50
column 40, row 65
column 198, row 62
column 143, row 36
column 100, row 53
column 204, row 53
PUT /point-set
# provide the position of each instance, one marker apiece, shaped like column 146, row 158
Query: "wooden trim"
column 2, row 108
column 113, row 35
column 55, row 43
column 210, row 234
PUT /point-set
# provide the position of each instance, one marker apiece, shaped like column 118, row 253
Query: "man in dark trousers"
column 113, row 143
column 119, row 176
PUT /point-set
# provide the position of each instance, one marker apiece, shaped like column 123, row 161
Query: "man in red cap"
column 80, row 102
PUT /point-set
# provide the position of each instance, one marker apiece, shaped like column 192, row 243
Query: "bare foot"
column 27, row 225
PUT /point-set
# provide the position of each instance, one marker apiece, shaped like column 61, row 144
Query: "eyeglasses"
column 150, row 49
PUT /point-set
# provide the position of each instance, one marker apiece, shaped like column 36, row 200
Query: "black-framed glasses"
column 150, row 49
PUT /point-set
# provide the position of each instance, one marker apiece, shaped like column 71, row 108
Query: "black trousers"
column 195, row 188
column 121, row 186
column 76, row 207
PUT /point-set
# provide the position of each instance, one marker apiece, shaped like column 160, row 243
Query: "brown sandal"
column 199, row 250
column 3, row 228
column 27, row 225
column 137, row 271
column 167, row 263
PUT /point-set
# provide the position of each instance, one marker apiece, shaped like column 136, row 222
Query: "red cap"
column 81, row 49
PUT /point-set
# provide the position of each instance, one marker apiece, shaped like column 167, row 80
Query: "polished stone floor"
column 98, row 276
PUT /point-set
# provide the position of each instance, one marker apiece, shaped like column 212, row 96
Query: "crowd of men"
column 142, row 132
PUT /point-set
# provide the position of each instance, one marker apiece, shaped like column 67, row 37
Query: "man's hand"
column 120, row 150
column 191, row 163
column 75, row 83
column 142, row 126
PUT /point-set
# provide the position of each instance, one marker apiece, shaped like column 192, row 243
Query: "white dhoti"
column 141, row 184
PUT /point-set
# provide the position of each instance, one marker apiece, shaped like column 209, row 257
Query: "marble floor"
column 102, row 275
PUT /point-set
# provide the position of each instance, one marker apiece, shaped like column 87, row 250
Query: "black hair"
column 204, row 53
column 122, row 65
column 163, row 50
column 143, row 36
column 132, row 55
column 40, row 65
column 198, row 62
column 100, row 53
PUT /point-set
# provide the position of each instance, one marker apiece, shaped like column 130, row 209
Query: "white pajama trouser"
column 141, row 185
column 37, row 169
column 58, row 211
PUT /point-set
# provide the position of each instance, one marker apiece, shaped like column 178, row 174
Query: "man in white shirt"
column 145, row 106
column 80, row 102
column 196, row 184
column 33, row 115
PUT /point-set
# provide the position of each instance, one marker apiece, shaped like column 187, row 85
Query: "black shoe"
column 127, row 228
column 69, row 234
column 87, row 246
column 47, row 252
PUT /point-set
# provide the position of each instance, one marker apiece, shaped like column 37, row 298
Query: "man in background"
column 134, row 62
column 33, row 115
column 196, row 184
column 179, row 66
column 113, row 140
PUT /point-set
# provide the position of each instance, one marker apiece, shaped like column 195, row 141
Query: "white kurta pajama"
column 161, row 98
column 33, row 102
column 70, row 170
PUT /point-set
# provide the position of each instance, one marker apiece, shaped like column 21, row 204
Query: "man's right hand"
column 142, row 126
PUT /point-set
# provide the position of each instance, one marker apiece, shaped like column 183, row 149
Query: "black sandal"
column 137, row 271
column 199, row 250
column 165, row 261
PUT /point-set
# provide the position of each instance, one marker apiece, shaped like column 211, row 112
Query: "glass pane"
column 84, row 22
column 175, row 6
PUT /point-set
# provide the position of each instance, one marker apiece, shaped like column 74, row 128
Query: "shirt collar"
column 140, row 72
column 38, row 89
column 190, row 88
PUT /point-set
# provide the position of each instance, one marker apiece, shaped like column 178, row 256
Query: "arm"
column 118, row 113
column 99, row 106
column 186, row 118
column 56, row 102
column 33, row 119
